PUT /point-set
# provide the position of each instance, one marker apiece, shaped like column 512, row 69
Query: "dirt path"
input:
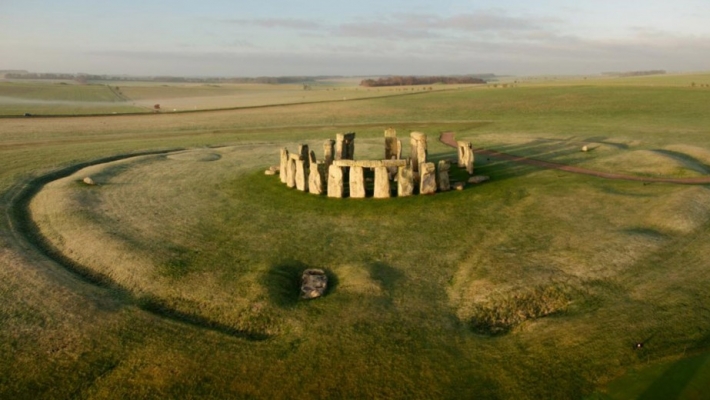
column 448, row 139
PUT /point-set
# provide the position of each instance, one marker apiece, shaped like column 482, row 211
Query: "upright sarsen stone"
column 405, row 181
column 291, row 171
column 328, row 151
column 301, row 178
column 305, row 154
column 345, row 146
column 382, row 183
column 335, row 181
column 427, row 178
column 357, row 182
column 419, row 149
column 443, row 174
column 315, row 175
column 466, row 156
column 283, row 166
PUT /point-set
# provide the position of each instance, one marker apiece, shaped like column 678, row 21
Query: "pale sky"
column 363, row 37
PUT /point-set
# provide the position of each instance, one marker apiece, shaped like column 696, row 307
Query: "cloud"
column 271, row 23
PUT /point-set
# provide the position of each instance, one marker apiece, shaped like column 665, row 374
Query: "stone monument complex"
column 340, row 175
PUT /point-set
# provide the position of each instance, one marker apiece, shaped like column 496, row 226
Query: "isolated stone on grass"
column 314, row 282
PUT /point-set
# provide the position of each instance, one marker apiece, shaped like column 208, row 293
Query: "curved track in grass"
column 25, row 228
column 448, row 138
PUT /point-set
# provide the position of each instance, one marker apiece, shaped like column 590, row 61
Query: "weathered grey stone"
column 89, row 181
column 335, row 181
column 370, row 163
column 382, row 183
column 443, row 174
column 328, row 151
column 301, row 178
column 283, row 170
column 357, row 183
column 419, row 149
column 314, row 283
column 315, row 178
column 391, row 147
column 291, row 171
column 428, row 178
column 466, row 156
column 303, row 151
column 478, row 179
column 405, row 181
column 345, row 146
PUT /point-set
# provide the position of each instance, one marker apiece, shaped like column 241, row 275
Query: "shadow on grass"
column 387, row 277
column 283, row 283
column 676, row 379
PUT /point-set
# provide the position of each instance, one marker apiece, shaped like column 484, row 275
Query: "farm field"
column 110, row 97
column 176, row 276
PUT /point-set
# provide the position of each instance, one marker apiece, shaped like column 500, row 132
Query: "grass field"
column 176, row 276
column 109, row 97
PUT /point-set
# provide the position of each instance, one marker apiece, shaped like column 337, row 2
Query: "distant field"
column 70, row 98
column 179, row 269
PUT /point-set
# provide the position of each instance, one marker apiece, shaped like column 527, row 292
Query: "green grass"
column 201, row 245
column 61, row 98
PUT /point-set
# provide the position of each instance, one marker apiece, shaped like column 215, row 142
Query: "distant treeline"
column 637, row 73
column 419, row 80
column 177, row 79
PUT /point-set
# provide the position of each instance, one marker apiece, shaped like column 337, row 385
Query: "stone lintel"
column 370, row 163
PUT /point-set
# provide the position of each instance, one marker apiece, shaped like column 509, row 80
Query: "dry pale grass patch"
column 646, row 162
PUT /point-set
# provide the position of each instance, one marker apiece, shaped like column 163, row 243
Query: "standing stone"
column 428, row 178
column 301, row 179
column 419, row 149
column 345, row 146
column 405, row 181
column 283, row 169
column 335, row 181
column 315, row 178
column 328, row 151
column 303, row 151
column 291, row 172
column 443, row 174
column 350, row 140
column 357, row 183
column 391, row 148
column 382, row 183
column 466, row 156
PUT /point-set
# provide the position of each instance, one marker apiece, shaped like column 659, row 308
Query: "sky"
column 353, row 38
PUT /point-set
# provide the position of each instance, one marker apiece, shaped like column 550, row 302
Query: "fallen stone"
column 585, row 148
column 478, row 179
column 275, row 168
column 269, row 172
column 89, row 181
column 314, row 283
column 459, row 185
